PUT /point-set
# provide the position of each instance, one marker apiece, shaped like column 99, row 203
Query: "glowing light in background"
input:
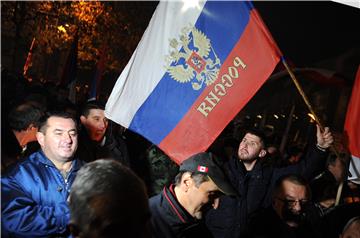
column 312, row 117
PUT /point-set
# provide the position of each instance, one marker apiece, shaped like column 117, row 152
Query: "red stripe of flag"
column 352, row 118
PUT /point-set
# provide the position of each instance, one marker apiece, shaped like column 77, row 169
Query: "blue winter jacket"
column 34, row 198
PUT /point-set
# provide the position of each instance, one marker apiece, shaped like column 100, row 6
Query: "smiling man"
column 34, row 193
column 177, row 211
column 97, row 137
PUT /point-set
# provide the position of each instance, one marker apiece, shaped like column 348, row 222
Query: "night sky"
column 308, row 32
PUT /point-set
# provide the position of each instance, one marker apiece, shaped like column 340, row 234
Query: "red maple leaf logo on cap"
column 202, row 169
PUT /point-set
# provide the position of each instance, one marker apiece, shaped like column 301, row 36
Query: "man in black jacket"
column 97, row 139
column 19, row 133
column 254, row 181
column 108, row 200
column 177, row 210
column 288, row 217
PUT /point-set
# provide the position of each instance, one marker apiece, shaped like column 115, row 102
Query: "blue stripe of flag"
column 223, row 23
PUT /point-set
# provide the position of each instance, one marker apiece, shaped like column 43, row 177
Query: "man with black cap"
column 177, row 210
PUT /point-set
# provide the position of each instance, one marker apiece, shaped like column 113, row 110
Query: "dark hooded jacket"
column 170, row 220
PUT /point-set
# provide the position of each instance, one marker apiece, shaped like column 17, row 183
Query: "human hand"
column 324, row 138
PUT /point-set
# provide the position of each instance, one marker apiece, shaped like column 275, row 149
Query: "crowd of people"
column 68, row 171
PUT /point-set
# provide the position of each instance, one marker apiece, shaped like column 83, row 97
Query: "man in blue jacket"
column 253, row 179
column 35, row 192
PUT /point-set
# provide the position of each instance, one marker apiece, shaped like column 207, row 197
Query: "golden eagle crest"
column 192, row 58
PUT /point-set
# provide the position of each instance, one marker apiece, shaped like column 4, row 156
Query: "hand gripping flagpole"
column 302, row 93
column 296, row 82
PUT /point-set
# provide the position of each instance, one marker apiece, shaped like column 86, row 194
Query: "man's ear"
column 40, row 138
column 74, row 229
column 262, row 153
column 31, row 127
column 186, row 180
column 83, row 119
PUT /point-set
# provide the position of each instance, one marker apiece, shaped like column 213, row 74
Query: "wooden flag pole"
column 302, row 93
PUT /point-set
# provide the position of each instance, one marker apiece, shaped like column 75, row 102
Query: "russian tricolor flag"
column 192, row 72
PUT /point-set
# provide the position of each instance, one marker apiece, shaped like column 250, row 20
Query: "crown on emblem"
column 192, row 59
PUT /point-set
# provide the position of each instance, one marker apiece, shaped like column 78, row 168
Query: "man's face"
column 59, row 141
column 95, row 124
column 250, row 148
column 289, row 204
column 206, row 193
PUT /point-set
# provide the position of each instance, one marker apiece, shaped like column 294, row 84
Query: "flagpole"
column 306, row 100
column 302, row 93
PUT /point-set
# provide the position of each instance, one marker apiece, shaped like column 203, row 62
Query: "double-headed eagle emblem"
column 192, row 59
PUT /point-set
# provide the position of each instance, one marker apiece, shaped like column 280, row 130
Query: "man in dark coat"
column 19, row 133
column 254, row 181
column 177, row 210
column 287, row 217
column 97, row 137
column 108, row 200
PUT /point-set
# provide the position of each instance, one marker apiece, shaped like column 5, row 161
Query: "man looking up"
column 34, row 193
column 253, row 179
column 177, row 210
column 97, row 139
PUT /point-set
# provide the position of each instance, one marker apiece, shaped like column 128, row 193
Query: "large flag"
column 352, row 130
column 100, row 66
column 192, row 72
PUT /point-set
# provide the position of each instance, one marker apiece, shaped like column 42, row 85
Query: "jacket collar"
column 183, row 216
column 41, row 158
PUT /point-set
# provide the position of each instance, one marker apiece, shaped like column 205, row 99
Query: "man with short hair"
column 352, row 228
column 97, row 139
column 19, row 136
column 254, row 179
column 177, row 210
column 287, row 217
column 108, row 200
column 34, row 193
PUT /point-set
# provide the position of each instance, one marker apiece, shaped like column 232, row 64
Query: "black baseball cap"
column 205, row 163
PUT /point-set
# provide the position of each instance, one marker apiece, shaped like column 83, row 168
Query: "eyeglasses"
column 292, row 203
